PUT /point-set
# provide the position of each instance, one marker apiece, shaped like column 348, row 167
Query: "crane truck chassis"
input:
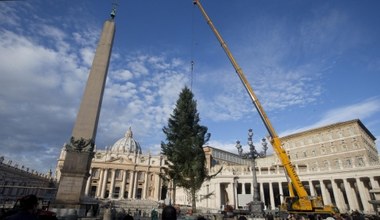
column 298, row 202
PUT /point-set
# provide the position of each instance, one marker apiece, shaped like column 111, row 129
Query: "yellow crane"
column 298, row 201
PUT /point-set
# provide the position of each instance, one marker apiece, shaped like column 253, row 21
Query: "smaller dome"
column 126, row 144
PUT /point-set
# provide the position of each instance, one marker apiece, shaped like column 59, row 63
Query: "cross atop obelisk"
column 79, row 152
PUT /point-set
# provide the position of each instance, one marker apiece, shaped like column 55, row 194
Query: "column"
column 104, row 186
column 339, row 200
column 145, row 189
column 135, row 184
column 112, row 186
column 311, row 187
column 252, row 189
column 131, row 182
column 122, row 190
column 217, row 194
column 325, row 193
column 88, row 184
column 230, row 193
column 272, row 204
column 236, row 201
column 350, row 195
column 262, row 195
column 364, row 196
column 207, row 193
column 157, row 187
column 281, row 192
column 100, row 183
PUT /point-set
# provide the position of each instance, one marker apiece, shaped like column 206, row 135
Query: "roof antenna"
column 114, row 6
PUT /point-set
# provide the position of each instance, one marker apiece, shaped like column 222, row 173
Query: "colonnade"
column 347, row 194
column 107, row 183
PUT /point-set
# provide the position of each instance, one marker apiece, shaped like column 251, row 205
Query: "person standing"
column 169, row 213
column 154, row 214
column 28, row 209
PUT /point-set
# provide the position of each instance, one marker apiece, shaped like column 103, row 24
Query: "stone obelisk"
column 80, row 150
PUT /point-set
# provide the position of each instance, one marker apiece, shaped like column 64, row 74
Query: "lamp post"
column 256, row 206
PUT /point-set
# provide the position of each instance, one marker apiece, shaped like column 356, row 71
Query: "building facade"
column 123, row 172
column 16, row 180
column 339, row 162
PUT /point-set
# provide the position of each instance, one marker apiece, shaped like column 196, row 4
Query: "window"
column 127, row 176
column 356, row 146
column 118, row 174
column 323, row 150
column 326, row 163
column 140, row 176
column 139, row 193
column 95, row 173
column 340, row 134
column 337, row 164
column 360, row 161
column 93, row 191
column 329, row 136
column 239, row 188
column 314, row 166
column 348, row 162
column 116, row 193
column 247, row 187
column 344, row 147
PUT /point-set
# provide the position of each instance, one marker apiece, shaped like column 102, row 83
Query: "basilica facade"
column 339, row 162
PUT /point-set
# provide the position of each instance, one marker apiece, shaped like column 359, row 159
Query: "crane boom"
column 276, row 143
column 301, row 201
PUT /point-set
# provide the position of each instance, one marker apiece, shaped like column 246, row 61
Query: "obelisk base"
column 74, row 175
column 257, row 210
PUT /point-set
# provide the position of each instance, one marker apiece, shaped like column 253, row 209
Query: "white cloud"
column 142, row 102
column 87, row 55
column 122, row 74
column 40, row 83
column 51, row 32
column 9, row 14
column 27, row 64
column 362, row 110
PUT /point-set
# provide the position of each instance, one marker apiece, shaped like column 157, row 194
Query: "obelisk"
column 80, row 150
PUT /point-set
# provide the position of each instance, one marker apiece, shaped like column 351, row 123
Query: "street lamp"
column 256, row 206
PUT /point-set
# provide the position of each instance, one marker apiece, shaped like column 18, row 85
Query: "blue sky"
column 311, row 63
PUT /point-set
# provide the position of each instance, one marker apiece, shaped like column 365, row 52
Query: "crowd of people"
column 28, row 210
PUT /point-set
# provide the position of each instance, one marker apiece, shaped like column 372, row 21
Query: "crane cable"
column 192, row 63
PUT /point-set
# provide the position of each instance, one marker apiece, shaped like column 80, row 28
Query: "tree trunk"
column 193, row 202
column 174, row 193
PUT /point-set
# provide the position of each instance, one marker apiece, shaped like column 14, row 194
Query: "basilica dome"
column 126, row 144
